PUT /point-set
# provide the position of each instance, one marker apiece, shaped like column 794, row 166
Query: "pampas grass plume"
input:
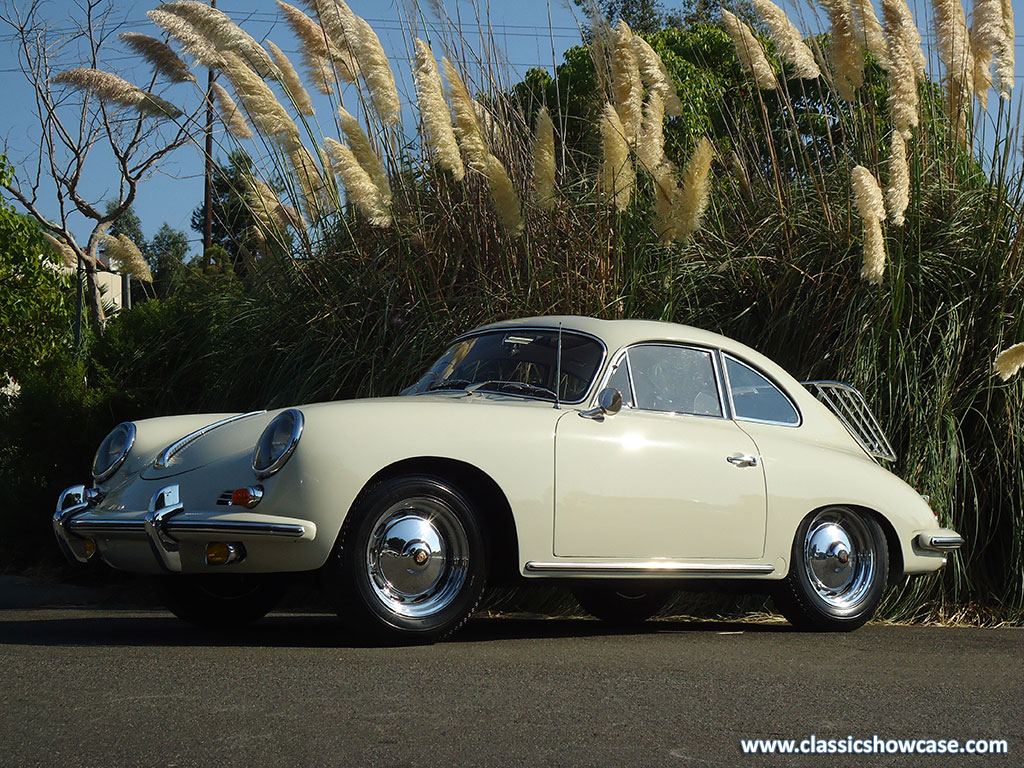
column 109, row 87
column 360, row 187
column 506, row 201
column 655, row 76
column 192, row 40
column 650, row 148
column 263, row 108
column 954, row 43
column 318, row 50
column 364, row 153
column 627, row 88
column 1007, row 59
column 160, row 55
column 693, row 199
column 437, row 122
column 666, row 196
column 290, row 80
column 122, row 250
column 618, row 178
column 897, row 196
column 467, row 130
column 868, row 198
column 870, row 31
column 222, row 33
column 987, row 41
column 1009, row 361
column 544, row 161
column 847, row 54
column 750, row 52
column 67, row 254
column 230, row 114
column 789, row 41
column 902, row 68
column 376, row 72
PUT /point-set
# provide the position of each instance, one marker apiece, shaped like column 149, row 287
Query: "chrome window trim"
column 162, row 461
column 553, row 329
column 719, row 384
column 298, row 423
column 109, row 471
column 770, row 380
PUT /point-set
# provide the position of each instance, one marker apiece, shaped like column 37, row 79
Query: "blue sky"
column 528, row 32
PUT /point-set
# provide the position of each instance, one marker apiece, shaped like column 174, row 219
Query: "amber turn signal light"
column 219, row 553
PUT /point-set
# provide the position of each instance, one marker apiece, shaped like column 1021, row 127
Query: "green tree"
column 233, row 220
column 167, row 252
column 127, row 224
column 35, row 305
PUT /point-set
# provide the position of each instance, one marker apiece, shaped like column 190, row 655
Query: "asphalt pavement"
column 97, row 686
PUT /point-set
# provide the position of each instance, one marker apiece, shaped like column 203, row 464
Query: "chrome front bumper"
column 165, row 525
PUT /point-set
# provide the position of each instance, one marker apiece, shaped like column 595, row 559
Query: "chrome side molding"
column 643, row 567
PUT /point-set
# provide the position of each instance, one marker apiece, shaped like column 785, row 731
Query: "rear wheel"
column 221, row 601
column 410, row 563
column 622, row 606
column 838, row 572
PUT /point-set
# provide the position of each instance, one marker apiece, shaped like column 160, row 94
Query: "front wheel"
column 221, row 601
column 838, row 571
column 410, row 563
column 622, row 607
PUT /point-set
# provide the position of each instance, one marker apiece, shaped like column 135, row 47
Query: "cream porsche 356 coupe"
column 623, row 458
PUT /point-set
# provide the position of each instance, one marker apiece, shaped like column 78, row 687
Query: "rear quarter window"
column 756, row 398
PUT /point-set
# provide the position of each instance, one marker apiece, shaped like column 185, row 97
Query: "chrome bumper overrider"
column 940, row 541
column 162, row 524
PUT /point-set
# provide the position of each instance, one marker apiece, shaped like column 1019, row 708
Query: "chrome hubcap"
column 839, row 559
column 417, row 557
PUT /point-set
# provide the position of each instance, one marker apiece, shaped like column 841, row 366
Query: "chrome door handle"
column 742, row 461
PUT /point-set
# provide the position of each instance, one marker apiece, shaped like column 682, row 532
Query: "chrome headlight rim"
column 297, row 424
column 114, row 465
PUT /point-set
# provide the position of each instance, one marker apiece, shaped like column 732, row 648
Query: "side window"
column 756, row 398
column 674, row 379
column 620, row 380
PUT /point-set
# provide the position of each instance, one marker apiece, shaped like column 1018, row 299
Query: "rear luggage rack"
column 852, row 410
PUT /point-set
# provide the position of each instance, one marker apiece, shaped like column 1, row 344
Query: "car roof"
column 617, row 334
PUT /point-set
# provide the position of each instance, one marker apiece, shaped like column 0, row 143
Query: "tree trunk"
column 92, row 290
column 99, row 318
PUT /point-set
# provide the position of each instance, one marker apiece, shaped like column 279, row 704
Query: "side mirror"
column 609, row 402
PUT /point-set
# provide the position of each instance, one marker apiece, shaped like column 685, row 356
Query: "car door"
column 669, row 476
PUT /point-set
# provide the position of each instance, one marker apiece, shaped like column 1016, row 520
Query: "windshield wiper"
column 449, row 384
column 515, row 386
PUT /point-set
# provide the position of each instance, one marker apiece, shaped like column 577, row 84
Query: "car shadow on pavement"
column 91, row 627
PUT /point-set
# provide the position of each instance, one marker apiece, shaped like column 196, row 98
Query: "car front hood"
column 235, row 438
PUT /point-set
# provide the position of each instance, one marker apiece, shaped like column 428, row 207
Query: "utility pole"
column 208, row 186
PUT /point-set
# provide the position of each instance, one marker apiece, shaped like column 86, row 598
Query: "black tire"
column 221, row 601
column 621, row 606
column 838, row 572
column 410, row 563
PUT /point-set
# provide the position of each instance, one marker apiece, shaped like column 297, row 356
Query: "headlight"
column 277, row 443
column 113, row 451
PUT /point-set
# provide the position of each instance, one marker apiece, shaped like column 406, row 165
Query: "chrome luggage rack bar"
column 852, row 410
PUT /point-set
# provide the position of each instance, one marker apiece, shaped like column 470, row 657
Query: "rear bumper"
column 941, row 540
column 166, row 537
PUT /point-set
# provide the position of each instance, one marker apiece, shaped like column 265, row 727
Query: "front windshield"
column 516, row 362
